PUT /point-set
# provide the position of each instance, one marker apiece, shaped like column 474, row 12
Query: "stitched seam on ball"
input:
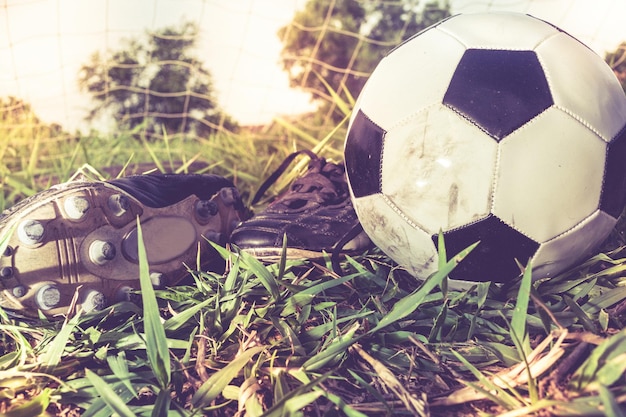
column 548, row 76
column 526, row 125
column 470, row 223
column 495, row 179
column 606, row 167
column 406, row 119
column 482, row 47
column 547, row 38
column 445, row 31
column 544, row 70
column 582, row 222
column 583, row 122
column 400, row 213
column 470, row 121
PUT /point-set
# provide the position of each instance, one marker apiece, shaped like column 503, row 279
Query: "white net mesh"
column 43, row 44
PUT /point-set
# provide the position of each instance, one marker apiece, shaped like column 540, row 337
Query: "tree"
column 344, row 43
column 617, row 62
column 155, row 83
column 18, row 119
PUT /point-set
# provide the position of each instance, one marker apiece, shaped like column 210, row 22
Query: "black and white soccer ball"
column 492, row 127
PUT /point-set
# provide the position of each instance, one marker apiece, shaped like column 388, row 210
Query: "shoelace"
column 320, row 183
column 323, row 183
column 334, row 256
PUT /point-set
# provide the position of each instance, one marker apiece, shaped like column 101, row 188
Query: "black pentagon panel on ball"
column 362, row 155
column 494, row 259
column 613, row 196
column 498, row 90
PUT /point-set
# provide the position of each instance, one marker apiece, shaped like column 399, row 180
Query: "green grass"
column 294, row 338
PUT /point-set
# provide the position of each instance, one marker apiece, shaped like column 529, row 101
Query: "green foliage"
column 155, row 83
column 36, row 156
column 115, row 403
column 22, row 148
column 617, row 62
column 296, row 339
column 344, row 44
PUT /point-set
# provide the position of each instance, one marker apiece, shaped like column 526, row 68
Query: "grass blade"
column 294, row 404
column 346, row 108
column 587, row 376
column 32, row 408
column 6, row 235
column 605, row 300
column 304, row 297
column 52, row 356
column 407, row 305
column 518, row 321
column 162, row 403
column 486, row 387
column 119, row 367
column 156, row 341
column 155, row 159
column 264, row 275
column 108, row 395
column 216, row 383
column 338, row 346
column 416, row 406
column 611, row 406
column 291, row 398
column 341, row 404
column 580, row 314
column 367, row 386
column 175, row 322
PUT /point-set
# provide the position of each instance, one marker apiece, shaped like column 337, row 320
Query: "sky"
column 43, row 43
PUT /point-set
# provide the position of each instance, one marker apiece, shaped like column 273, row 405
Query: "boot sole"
column 273, row 254
column 81, row 239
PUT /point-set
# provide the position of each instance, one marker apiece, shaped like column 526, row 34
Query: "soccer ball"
column 491, row 127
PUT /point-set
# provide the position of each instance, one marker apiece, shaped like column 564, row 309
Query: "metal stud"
column 119, row 204
column 206, row 209
column 48, row 297
column 101, row 252
column 6, row 272
column 229, row 195
column 157, row 279
column 123, row 294
column 94, row 301
column 213, row 236
column 19, row 291
column 76, row 207
column 30, row 232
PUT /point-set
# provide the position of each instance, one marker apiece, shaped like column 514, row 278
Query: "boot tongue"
column 309, row 191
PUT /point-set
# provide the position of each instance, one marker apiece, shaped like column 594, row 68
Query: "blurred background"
column 92, row 75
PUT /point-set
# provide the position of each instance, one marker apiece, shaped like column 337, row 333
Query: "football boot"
column 315, row 214
column 81, row 238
